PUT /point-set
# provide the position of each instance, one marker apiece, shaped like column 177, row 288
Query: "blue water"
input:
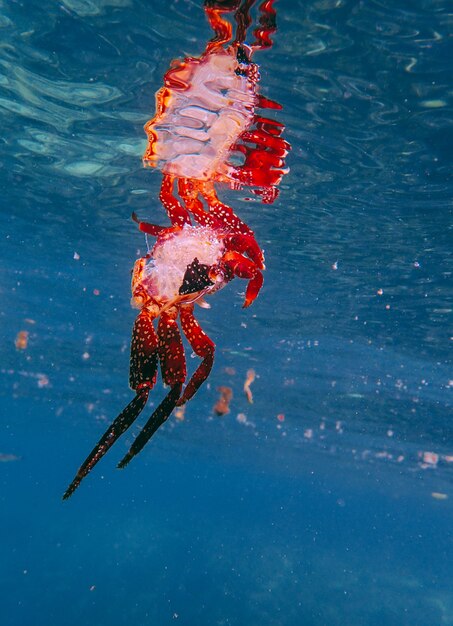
column 337, row 515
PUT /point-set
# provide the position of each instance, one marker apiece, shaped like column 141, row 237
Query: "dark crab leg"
column 202, row 345
column 143, row 373
column 119, row 426
column 243, row 20
column 267, row 27
column 156, row 420
column 173, row 367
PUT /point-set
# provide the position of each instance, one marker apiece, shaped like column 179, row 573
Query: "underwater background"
column 329, row 500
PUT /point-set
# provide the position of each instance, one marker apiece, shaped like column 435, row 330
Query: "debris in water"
column 8, row 458
column 439, row 496
column 222, row 406
column 248, row 381
column 21, row 341
column 180, row 412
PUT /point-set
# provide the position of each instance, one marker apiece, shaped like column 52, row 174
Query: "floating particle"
column 8, row 458
column 21, row 341
column 281, row 417
column 180, row 412
column 93, row 587
column 334, row 266
column 433, row 104
column 96, row 292
column 76, row 256
column 308, row 433
column 43, row 381
column 241, row 418
column 430, row 458
column 85, row 356
column 437, row 495
column 383, row 454
column 248, row 381
column 380, row 292
column 222, row 406
column 229, row 370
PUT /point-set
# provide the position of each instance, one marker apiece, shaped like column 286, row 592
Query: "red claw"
column 247, row 244
column 245, row 268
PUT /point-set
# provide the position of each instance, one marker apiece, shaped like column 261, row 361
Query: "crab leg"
column 267, row 26
column 262, row 138
column 222, row 27
column 173, row 367
column 142, row 378
column 146, row 227
column 243, row 20
column 188, row 190
column 267, row 103
column 176, row 212
column 223, row 212
column 202, row 345
column 244, row 268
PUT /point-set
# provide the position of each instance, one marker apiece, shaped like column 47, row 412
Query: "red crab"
column 186, row 264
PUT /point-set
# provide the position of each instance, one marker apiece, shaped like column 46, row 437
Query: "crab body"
column 163, row 273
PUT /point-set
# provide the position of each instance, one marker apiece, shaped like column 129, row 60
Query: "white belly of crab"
column 164, row 272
